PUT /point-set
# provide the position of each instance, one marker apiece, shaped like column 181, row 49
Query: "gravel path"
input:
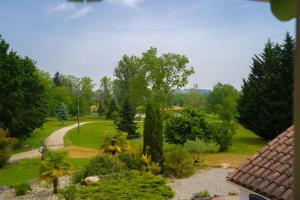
column 54, row 141
column 212, row 180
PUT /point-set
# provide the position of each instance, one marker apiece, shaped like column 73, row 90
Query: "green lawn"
column 92, row 135
column 51, row 125
column 27, row 169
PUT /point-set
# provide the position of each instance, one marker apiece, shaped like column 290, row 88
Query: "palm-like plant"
column 53, row 167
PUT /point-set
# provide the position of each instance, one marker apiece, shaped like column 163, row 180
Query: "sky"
column 88, row 39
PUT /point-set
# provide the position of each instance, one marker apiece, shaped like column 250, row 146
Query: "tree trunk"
column 55, row 184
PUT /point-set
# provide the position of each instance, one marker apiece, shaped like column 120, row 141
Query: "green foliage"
column 126, row 120
column 54, row 166
column 202, row 194
column 22, row 189
column 178, row 163
column 222, row 133
column 266, row 103
column 22, row 96
column 69, row 192
column 153, row 133
column 5, row 147
column 112, row 107
column 223, row 101
column 158, row 75
column 101, row 166
column 115, row 143
column 199, row 146
column 135, row 185
column 62, row 113
column 189, row 125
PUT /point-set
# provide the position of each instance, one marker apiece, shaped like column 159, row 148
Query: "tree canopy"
column 266, row 103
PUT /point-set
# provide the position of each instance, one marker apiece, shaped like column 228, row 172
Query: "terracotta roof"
column 270, row 171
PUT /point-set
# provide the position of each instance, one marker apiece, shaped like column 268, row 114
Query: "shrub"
column 135, row 185
column 5, row 147
column 191, row 124
column 221, row 133
column 104, row 165
column 153, row 133
column 22, row 189
column 149, row 166
column 178, row 163
column 69, row 192
column 202, row 194
column 198, row 146
column 115, row 143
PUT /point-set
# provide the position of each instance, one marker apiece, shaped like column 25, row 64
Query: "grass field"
column 51, row 125
column 92, row 135
column 244, row 143
column 28, row 169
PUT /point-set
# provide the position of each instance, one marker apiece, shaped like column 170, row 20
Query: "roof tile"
column 270, row 171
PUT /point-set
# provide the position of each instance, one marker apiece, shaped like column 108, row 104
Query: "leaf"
column 284, row 9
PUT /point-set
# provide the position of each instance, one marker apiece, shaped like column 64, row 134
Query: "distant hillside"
column 205, row 92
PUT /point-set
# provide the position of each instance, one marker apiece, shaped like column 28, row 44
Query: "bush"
column 198, row 146
column 5, row 147
column 136, row 160
column 135, row 185
column 101, row 166
column 22, row 189
column 191, row 124
column 222, row 133
column 202, row 194
column 115, row 143
column 69, row 192
column 178, row 163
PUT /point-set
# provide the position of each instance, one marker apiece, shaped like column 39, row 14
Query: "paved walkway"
column 54, row 141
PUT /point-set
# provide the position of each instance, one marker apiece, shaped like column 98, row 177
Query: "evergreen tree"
column 265, row 105
column 57, row 79
column 62, row 113
column 112, row 107
column 126, row 120
column 153, row 133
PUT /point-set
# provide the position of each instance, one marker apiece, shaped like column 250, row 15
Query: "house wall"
column 244, row 194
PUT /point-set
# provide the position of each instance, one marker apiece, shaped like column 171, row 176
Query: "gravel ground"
column 212, row 180
column 38, row 192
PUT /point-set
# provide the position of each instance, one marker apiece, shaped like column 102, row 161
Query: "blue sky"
column 218, row 36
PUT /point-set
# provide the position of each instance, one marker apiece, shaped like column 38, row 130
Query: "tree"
column 5, row 147
column 62, row 113
column 112, row 107
column 223, row 101
column 189, row 125
column 104, row 93
column 86, row 94
column 126, row 120
column 125, row 70
column 22, row 97
column 57, row 79
column 54, row 166
column 265, row 105
column 153, row 133
column 195, row 99
column 157, row 76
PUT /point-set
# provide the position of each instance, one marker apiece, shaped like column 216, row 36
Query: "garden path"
column 213, row 180
column 54, row 141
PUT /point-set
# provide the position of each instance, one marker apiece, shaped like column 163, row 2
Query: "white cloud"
column 82, row 12
column 76, row 12
column 129, row 3
column 61, row 7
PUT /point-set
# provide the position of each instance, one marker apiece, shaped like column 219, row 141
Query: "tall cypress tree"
column 265, row 106
column 127, row 117
column 153, row 133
